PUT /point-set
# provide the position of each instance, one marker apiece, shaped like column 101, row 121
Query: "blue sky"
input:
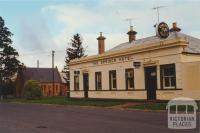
column 40, row 26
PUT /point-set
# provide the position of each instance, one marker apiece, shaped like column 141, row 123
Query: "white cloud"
column 73, row 17
column 34, row 35
column 108, row 17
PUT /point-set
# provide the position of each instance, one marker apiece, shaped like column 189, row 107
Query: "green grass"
column 155, row 106
column 94, row 102
column 127, row 104
column 149, row 106
column 69, row 101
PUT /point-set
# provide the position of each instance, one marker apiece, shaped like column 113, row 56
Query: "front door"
column 151, row 82
column 85, row 84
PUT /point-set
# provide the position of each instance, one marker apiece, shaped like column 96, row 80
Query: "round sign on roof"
column 162, row 30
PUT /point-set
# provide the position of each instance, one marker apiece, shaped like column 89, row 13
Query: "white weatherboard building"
column 163, row 66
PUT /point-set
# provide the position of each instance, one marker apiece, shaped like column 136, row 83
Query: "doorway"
column 151, row 82
column 85, row 84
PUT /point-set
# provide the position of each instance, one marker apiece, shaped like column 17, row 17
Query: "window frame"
column 76, row 78
column 111, row 79
column 127, row 79
column 97, row 87
column 162, row 76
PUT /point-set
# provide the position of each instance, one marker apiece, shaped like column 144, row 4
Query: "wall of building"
column 191, row 79
column 47, row 89
column 155, row 58
column 190, row 57
column 77, row 94
column 118, row 94
column 169, row 94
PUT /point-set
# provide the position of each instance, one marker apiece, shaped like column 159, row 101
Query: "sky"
column 40, row 26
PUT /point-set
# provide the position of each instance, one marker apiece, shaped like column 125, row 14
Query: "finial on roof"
column 100, row 33
column 131, row 28
column 175, row 28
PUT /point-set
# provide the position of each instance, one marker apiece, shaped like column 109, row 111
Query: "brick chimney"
column 132, row 34
column 101, row 43
column 175, row 28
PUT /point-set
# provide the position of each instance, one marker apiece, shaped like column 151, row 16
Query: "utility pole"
column 157, row 9
column 38, row 63
column 53, row 71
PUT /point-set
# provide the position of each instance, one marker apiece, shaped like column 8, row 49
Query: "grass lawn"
column 149, row 106
column 154, row 106
column 126, row 104
column 70, row 101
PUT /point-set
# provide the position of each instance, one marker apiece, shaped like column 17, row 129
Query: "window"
column 44, row 86
column 113, row 80
column 129, row 77
column 168, row 76
column 98, row 83
column 76, row 80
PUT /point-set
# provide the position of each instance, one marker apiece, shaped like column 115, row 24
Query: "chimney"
column 101, row 43
column 132, row 34
column 175, row 28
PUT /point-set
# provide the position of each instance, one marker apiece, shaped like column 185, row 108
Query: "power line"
column 53, row 52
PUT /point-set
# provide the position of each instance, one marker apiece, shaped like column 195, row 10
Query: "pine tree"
column 8, row 55
column 75, row 50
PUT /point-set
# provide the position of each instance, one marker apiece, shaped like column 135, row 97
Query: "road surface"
column 28, row 118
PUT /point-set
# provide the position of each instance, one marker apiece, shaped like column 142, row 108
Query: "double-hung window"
column 168, row 76
column 76, row 80
column 98, row 81
column 113, row 80
column 129, row 77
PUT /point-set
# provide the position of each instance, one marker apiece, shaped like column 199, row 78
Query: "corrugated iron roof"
column 41, row 74
column 193, row 46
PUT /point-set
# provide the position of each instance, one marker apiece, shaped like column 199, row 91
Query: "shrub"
column 32, row 89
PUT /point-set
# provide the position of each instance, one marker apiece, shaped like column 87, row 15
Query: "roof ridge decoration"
column 175, row 28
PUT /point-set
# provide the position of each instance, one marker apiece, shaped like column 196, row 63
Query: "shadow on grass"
column 72, row 101
column 126, row 104
column 159, row 105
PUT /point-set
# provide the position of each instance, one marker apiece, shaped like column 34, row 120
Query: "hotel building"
column 163, row 67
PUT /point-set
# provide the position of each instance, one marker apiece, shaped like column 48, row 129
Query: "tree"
column 9, row 88
column 75, row 50
column 32, row 89
column 8, row 56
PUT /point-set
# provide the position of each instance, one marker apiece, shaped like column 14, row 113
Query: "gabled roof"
column 193, row 46
column 41, row 74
